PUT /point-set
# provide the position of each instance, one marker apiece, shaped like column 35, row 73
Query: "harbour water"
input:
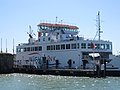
column 50, row 82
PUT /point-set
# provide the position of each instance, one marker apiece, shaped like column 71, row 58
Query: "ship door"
column 57, row 64
column 69, row 63
column 45, row 62
column 85, row 57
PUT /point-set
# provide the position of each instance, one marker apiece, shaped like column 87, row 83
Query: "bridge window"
column 24, row 49
column 107, row 46
column 78, row 45
column 97, row 46
column 57, row 47
column 49, row 39
column 32, row 48
column 63, row 46
column 110, row 46
column 52, row 47
column 40, row 48
column 102, row 46
column 48, row 47
column 74, row 46
column 83, row 45
column 89, row 46
column 67, row 46
column 36, row 48
column 39, row 39
column 28, row 48
column 18, row 49
column 43, row 39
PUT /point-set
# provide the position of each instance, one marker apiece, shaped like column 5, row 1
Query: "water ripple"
column 50, row 82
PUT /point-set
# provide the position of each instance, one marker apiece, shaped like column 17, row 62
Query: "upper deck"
column 55, row 34
column 57, row 25
column 50, row 27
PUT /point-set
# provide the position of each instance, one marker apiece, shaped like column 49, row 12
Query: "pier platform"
column 6, row 62
column 69, row 72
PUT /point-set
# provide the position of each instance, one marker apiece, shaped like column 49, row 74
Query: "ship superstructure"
column 60, row 42
column 60, row 46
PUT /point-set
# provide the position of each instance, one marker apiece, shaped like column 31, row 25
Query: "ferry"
column 59, row 46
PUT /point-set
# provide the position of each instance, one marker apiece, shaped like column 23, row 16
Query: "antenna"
column 56, row 19
column 61, row 21
column 1, row 45
column 30, row 29
column 13, row 45
column 6, row 45
column 99, row 24
column 30, row 32
column 98, row 33
column 99, row 27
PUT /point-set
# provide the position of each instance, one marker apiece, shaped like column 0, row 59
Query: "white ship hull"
column 34, row 58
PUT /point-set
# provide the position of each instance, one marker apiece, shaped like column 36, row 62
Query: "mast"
column 56, row 19
column 99, row 27
column 99, row 24
column 13, row 46
column 99, row 36
column 1, row 45
column 6, row 45
column 98, row 33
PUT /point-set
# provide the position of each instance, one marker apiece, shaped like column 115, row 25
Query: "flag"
column 92, row 45
column 39, row 34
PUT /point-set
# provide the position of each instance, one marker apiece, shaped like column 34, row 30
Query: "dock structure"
column 45, row 69
column 97, row 72
column 81, row 72
column 69, row 72
column 6, row 62
column 62, row 72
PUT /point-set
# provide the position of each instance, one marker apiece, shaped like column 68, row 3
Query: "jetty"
column 7, row 66
column 6, row 62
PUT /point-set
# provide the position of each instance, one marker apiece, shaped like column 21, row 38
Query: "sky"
column 17, row 15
